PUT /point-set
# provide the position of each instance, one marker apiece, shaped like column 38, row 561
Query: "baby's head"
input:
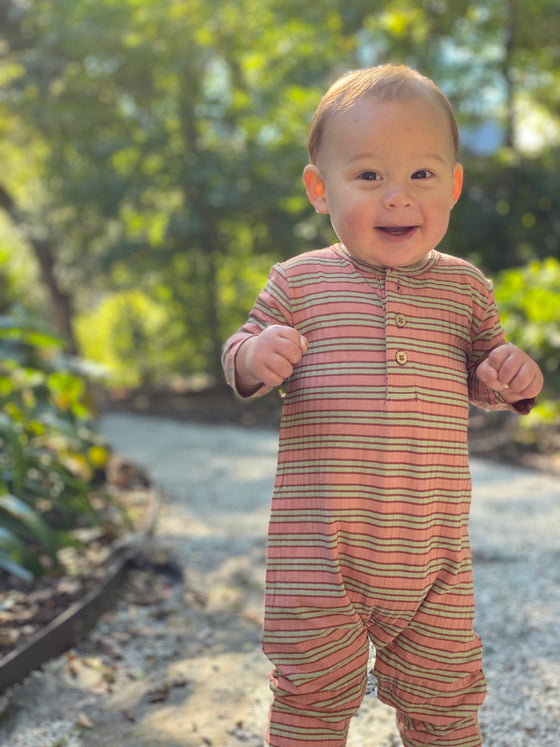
column 384, row 83
column 383, row 164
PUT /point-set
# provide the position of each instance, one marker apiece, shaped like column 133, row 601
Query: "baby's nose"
column 397, row 196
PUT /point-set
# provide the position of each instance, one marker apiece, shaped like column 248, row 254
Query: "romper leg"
column 432, row 671
column 318, row 685
column 464, row 733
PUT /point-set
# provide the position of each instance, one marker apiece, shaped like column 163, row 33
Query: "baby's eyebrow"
column 362, row 157
column 435, row 157
column 365, row 156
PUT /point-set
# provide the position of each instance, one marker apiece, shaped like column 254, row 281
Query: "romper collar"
column 416, row 269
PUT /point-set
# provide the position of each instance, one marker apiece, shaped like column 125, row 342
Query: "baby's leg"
column 432, row 672
column 465, row 733
column 318, row 685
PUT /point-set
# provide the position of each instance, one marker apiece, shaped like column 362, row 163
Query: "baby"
column 382, row 341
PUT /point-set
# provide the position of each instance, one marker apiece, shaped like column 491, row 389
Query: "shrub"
column 529, row 302
column 136, row 339
column 49, row 452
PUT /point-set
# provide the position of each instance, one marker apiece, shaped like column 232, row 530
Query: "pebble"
column 49, row 734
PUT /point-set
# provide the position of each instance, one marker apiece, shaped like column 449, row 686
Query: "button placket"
column 399, row 344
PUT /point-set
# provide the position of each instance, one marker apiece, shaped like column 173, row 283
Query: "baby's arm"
column 511, row 372
column 268, row 358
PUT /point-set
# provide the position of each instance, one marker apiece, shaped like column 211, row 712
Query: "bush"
column 508, row 212
column 137, row 340
column 49, row 453
column 529, row 302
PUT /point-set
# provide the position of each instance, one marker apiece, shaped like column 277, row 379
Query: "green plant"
column 131, row 336
column 49, row 453
column 529, row 302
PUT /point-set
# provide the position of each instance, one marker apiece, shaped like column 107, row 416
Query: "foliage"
column 507, row 215
column 49, row 453
column 133, row 337
column 158, row 145
column 174, row 144
column 18, row 276
column 146, row 340
column 529, row 300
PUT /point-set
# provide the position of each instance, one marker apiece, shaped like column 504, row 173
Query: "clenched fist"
column 268, row 358
column 511, row 372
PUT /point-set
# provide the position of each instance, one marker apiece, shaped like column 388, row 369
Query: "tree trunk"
column 61, row 303
column 507, row 68
column 213, row 315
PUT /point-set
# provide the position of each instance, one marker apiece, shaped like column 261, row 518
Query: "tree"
column 489, row 57
column 156, row 148
column 167, row 137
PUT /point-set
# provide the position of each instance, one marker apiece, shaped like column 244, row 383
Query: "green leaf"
column 11, row 435
column 19, row 510
column 11, row 566
column 22, row 562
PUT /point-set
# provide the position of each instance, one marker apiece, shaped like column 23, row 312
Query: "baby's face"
column 388, row 178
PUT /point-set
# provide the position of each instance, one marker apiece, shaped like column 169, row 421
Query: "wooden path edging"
column 74, row 624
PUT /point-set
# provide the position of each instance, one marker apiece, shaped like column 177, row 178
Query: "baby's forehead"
column 361, row 110
column 412, row 99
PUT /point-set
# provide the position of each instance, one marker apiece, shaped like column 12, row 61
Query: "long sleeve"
column 271, row 307
column 487, row 335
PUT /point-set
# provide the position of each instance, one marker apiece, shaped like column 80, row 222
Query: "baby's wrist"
column 246, row 381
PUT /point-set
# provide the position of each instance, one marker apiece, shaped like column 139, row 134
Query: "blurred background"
column 151, row 154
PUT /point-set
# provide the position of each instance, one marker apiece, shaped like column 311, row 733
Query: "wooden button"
column 400, row 320
column 401, row 357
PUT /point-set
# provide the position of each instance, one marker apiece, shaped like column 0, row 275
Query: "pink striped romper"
column 368, row 537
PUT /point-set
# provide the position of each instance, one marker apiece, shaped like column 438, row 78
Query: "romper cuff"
column 228, row 360
column 523, row 406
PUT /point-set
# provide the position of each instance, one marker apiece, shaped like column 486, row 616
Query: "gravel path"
column 187, row 671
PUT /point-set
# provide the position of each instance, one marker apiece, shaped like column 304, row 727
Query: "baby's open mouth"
column 397, row 230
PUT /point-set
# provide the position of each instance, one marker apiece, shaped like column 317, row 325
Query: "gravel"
column 178, row 662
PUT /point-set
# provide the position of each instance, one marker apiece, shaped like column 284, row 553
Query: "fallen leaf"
column 100, row 689
column 159, row 695
column 84, row 721
column 111, row 647
column 109, row 676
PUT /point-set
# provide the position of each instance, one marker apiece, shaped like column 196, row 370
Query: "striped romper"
column 368, row 537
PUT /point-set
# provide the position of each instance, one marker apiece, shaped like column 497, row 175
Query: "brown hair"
column 386, row 83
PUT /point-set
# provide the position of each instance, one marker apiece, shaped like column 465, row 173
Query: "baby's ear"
column 457, row 182
column 315, row 188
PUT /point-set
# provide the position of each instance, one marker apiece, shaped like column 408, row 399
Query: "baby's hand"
column 270, row 357
column 511, row 372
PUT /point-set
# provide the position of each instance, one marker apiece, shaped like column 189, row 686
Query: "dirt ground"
column 178, row 662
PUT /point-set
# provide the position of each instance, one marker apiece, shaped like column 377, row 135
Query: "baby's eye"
column 422, row 174
column 369, row 176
